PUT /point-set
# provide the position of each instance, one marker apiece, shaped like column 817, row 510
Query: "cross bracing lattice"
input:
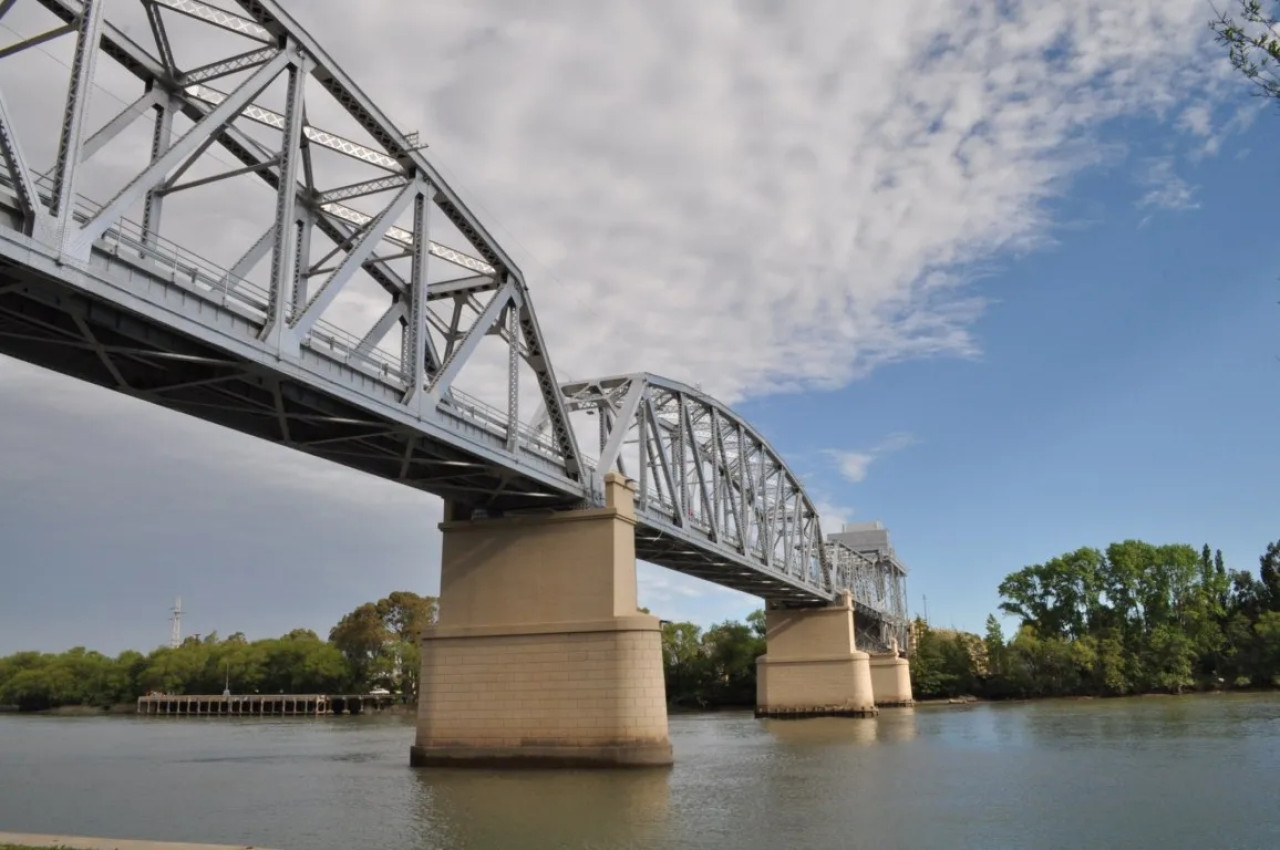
column 198, row 207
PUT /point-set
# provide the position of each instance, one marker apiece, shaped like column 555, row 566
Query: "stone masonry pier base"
column 891, row 680
column 541, row 657
column 811, row 667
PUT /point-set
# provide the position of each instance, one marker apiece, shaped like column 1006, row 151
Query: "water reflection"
column 1174, row 773
column 541, row 808
column 897, row 724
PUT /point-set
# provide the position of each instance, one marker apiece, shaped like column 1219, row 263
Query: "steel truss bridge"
column 343, row 295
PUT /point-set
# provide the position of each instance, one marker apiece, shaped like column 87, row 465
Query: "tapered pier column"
column 540, row 655
column 811, row 667
column 891, row 680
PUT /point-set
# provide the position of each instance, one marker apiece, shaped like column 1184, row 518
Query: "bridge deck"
column 86, row 292
column 157, row 323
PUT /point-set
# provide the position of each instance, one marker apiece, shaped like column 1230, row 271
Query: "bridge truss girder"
column 715, row 500
column 878, row 584
column 374, row 207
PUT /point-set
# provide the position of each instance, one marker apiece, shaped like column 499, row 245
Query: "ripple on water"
column 1168, row 772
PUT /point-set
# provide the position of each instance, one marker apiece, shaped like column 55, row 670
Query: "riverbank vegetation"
column 376, row 645
column 1133, row 618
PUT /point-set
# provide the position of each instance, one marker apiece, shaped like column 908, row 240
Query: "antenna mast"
column 175, row 632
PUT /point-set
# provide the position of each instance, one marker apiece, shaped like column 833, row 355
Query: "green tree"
column 685, row 665
column 942, row 662
column 1059, row 597
column 732, row 649
column 1268, row 649
column 361, row 636
column 1269, row 575
column 380, row 640
column 1251, row 42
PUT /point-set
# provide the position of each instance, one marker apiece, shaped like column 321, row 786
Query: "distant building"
column 887, row 591
column 870, row 539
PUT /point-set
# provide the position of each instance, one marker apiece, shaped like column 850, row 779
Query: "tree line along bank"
column 1133, row 618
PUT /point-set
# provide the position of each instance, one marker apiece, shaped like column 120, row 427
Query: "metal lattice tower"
column 175, row 624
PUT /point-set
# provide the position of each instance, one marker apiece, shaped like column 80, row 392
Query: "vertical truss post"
column 718, row 482
column 11, row 150
column 161, row 37
column 681, row 462
column 513, row 378
column 161, row 138
column 285, row 262
column 642, row 449
column 73, row 117
column 787, row 524
column 655, row 426
column 704, row 498
column 823, row 556
column 414, row 341
column 304, row 220
column 764, row 528
column 602, row 428
column 744, row 495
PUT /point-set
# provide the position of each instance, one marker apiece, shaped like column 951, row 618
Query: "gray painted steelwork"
column 715, row 500
column 126, row 303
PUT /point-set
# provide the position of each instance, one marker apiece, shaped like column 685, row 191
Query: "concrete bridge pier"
column 811, row 667
column 891, row 680
column 540, row 656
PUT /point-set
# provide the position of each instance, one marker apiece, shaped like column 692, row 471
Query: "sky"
column 1000, row 276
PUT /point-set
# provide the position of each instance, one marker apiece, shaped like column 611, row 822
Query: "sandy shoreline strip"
column 86, row 843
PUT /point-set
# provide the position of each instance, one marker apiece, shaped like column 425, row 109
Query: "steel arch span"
column 224, row 224
column 251, row 263
column 715, row 500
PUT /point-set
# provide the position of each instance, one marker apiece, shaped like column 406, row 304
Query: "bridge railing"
column 193, row 272
column 128, row 242
column 344, row 346
column 495, row 421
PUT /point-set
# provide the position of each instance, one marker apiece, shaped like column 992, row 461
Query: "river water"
column 1194, row 772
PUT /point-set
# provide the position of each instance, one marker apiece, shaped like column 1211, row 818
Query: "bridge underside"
column 674, row 552
column 349, row 327
column 46, row 322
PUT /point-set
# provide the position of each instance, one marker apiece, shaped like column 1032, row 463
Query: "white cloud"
column 1201, row 121
column 755, row 196
column 1197, row 119
column 833, row 514
column 678, row 597
column 1165, row 190
column 854, row 465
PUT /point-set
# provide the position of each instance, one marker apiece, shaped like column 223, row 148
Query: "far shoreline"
column 407, row 710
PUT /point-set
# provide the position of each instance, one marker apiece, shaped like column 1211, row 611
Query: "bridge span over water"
column 231, row 228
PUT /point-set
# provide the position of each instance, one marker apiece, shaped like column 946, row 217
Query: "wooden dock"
column 261, row 705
